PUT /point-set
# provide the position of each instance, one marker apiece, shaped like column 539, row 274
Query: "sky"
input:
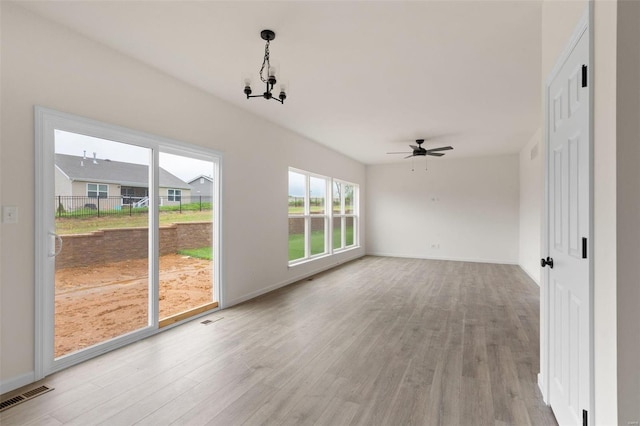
column 317, row 186
column 75, row 144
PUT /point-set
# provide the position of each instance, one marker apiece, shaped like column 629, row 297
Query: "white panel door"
column 568, row 279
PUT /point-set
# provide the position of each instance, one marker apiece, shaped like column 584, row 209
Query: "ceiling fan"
column 419, row 151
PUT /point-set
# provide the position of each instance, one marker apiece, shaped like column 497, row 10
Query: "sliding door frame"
column 46, row 122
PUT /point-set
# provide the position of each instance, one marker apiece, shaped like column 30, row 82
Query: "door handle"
column 547, row 261
column 57, row 238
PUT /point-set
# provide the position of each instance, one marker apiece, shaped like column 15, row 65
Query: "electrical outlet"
column 633, row 423
column 9, row 214
column 435, row 246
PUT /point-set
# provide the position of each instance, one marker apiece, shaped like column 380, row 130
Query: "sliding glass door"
column 126, row 236
column 186, row 237
column 101, row 272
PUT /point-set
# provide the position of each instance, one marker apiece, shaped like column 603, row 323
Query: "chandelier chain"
column 265, row 61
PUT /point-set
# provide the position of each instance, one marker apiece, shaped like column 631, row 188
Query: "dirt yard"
column 96, row 303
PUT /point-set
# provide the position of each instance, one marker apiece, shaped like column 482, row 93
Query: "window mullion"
column 343, row 220
column 307, row 218
column 154, row 238
column 356, row 215
column 328, row 213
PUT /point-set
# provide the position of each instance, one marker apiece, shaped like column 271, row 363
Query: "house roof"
column 106, row 171
column 209, row 178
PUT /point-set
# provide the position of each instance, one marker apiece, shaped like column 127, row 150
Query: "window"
column 345, row 217
column 97, row 190
column 308, row 216
column 311, row 218
column 175, row 194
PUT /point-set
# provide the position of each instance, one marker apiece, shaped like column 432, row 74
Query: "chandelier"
column 270, row 79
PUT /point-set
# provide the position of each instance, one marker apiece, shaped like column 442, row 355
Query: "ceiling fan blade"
column 408, row 156
column 404, row 152
column 444, row 148
column 413, row 147
column 435, row 154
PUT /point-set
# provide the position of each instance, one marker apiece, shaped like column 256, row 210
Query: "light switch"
column 10, row 214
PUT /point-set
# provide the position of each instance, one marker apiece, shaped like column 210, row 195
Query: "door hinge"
column 584, row 76
column 584, row 418
column 584, row 248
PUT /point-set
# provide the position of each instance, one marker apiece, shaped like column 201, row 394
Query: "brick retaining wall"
column 296, row 225
column 114, row 245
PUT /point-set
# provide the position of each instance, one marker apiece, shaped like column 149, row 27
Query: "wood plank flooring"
column 377, row 341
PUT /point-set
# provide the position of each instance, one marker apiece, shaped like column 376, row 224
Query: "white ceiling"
column 363, row 77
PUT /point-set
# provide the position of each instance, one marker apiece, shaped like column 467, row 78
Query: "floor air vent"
column 209, row 321
column 30, row 394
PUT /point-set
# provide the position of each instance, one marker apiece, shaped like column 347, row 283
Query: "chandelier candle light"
column 270, row 80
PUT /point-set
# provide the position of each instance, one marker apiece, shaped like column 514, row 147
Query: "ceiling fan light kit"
column 270, row 79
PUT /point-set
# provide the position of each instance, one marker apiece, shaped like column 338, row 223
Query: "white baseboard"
column 540, row 381
column 297, row 278
column 17, row 382
column 530, row 276
column 453, row 259
column 541, row 387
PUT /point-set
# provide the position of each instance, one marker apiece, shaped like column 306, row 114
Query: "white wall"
column 1, row 204
column 628, row 210
column 46, row 64
column 531, row 188
column 559, row 20
column 469, row 207
column 604, row 216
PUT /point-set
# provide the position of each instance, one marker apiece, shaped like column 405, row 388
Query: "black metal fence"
column 79, row 206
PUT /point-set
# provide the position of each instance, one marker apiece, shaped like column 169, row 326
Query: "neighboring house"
column 201, row 186
column 81, row 182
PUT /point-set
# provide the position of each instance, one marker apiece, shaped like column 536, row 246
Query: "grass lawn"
column 66, row 226
column 186, row 207
column 296, row 242
column 200, row 253
column 296, row 245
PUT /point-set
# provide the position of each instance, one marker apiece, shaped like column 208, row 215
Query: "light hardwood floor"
column 376, row 341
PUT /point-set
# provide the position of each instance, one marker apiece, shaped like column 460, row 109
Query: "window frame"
column 98, row 191
column 343, row 216
column 308, row 216
column 176, row 196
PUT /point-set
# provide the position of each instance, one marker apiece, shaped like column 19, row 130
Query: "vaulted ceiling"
column 363, row 77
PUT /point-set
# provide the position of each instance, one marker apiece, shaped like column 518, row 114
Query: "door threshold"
column 184, row 315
